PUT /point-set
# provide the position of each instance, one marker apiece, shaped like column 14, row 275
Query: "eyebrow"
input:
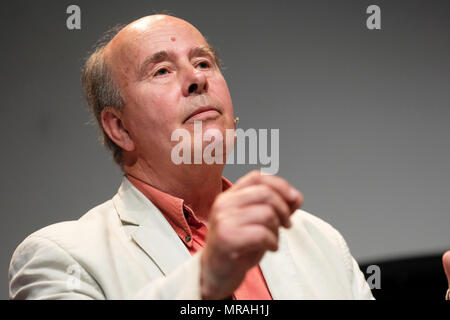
column 165, row 55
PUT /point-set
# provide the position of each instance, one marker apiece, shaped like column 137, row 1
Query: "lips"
column 201, row 110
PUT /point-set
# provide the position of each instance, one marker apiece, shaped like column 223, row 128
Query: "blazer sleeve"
column 41, row 269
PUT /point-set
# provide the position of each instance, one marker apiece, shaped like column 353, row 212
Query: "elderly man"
column 179, row 231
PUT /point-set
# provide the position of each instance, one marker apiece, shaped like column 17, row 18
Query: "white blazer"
column 126, row 249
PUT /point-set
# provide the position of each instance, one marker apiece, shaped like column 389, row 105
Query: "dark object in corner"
column 420, row 277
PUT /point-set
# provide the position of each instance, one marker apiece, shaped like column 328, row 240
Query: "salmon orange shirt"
column 193, row 234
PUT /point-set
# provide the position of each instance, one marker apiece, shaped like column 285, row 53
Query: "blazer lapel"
column 155, row 236
column 152, row 233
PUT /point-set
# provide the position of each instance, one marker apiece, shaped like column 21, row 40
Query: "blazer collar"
column 152, row 233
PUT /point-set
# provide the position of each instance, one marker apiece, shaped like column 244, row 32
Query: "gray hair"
column 100, row 89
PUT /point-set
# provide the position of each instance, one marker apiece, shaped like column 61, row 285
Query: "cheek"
column 148, row 114
column 224, row 96
column 156, row 105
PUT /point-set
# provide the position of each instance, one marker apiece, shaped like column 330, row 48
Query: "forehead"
column 147, row 36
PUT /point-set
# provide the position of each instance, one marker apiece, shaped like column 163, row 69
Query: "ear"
column 114, row 128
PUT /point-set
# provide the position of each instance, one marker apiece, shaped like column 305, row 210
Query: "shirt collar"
column 172, row 207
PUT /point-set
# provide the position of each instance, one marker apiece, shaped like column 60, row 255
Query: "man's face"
column 166, row 72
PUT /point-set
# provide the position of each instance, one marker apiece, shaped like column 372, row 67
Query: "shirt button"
column 187, row 238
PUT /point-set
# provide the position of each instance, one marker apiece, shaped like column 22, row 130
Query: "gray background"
column 363, row 115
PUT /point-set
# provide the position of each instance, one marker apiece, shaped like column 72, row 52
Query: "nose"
column 196, row 83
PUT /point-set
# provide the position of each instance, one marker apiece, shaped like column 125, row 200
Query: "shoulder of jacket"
column 72, row 233
column 322, row 232
column 319, row 228
column 307, row 220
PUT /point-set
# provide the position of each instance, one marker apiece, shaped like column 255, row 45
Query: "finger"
column 446, row 263
column 262, row 194
column 255, row 238
column 286, row 190
column 259, row 214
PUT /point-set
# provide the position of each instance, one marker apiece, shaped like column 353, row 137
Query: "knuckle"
column 265, row 191
column 267, row 214
column 270, row 216
column 255, row 175
column 266, row 211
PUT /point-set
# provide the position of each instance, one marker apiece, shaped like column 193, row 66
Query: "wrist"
column 208, row 283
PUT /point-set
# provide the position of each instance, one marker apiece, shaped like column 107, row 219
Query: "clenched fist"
column 243, row 224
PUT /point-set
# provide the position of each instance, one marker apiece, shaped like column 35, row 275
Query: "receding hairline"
column 144, row 23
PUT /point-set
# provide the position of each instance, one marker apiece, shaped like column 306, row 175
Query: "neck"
column 197, row 185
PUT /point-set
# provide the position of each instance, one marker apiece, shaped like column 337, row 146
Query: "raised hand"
column 243, row 225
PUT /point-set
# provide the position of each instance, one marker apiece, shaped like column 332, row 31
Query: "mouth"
column 202, row 112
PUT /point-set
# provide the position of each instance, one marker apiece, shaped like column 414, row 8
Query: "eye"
column 161, row 72
column 204, row 64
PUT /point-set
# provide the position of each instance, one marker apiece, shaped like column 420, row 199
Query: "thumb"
column 446, row 263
